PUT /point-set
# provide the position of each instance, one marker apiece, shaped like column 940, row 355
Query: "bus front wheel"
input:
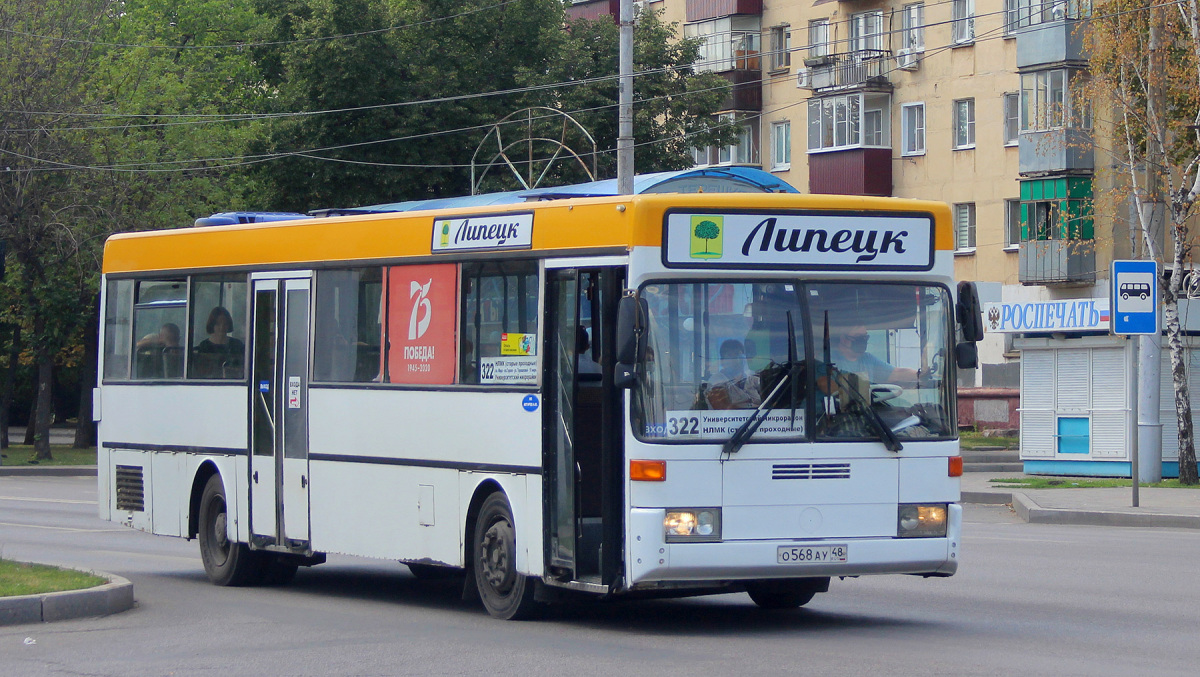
column 780, row 595
column 506, row 594
column 226, row 562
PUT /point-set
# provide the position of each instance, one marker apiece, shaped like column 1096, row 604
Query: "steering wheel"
column 882, row 392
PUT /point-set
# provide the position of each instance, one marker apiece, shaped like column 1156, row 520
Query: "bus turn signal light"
column 648, row 471
column 955, row 466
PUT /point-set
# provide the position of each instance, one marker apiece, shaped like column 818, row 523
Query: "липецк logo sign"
column 708, row 233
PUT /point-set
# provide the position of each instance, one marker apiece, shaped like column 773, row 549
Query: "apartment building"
column 964, row 101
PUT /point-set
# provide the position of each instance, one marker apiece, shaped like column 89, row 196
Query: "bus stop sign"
column 1134, row 290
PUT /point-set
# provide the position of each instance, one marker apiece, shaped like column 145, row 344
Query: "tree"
column 411, row 75
column 707, row 230
column 1145, row 61
column 91, row 146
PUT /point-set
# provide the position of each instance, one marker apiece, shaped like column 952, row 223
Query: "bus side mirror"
column 630, row 312
column 969, row 312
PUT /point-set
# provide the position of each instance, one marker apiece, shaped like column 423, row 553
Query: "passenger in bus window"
column 735, row 386
column 227, row 351
column 160, row 354
column 851, row 355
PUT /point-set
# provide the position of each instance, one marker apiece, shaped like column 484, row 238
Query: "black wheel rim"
column 495, row 557
column 218, row 536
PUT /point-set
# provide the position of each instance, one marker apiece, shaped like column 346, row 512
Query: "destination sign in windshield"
column 799, row 240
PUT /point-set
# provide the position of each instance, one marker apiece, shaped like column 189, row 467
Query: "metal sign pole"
column 1133, row 446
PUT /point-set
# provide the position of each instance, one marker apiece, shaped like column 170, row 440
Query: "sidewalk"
column 1178, row 508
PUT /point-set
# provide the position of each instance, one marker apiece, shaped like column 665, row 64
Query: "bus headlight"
column 921, row 521
column 692, row 525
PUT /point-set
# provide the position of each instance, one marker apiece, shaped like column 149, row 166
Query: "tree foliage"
column 1145, row 61
column 381, row 152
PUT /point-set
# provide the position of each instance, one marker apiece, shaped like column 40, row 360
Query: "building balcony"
column 854, row 171
column 1058, row 150
column 700, row 10
column 1057, row 262
column 1062, row 41
column 864, row 68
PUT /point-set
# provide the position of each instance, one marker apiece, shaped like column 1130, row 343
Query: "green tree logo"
column 706, row 237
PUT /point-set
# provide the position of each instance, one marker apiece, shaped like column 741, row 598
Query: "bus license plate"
column 811, row 554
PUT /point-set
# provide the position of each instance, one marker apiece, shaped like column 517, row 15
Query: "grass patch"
column 969, row 439
column 19, row 578
column 63, row 454
column 1082, row 483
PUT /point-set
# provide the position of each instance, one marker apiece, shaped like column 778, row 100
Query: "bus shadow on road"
column 731, row 614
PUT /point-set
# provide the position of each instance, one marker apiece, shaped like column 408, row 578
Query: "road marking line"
column 39, row 526
column 45, row 500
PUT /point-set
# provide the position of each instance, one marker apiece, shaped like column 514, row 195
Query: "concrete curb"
column 103, row 600
column 1027, row 509
column 47, row 471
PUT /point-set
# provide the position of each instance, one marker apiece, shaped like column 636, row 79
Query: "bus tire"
column 769, row 595
column 226, row 562
column 506, row 594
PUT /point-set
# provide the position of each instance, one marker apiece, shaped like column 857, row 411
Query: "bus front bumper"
column 652, row 560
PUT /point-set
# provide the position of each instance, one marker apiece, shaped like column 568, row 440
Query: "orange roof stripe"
column 560, row 225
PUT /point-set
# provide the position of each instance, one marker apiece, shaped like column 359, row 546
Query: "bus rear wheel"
column 226, row 562
column 506, row 594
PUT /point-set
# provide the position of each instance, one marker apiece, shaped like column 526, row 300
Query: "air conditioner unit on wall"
column 907, row 60
column 804, row 78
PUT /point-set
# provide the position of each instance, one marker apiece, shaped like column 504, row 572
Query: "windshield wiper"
column 745, row 431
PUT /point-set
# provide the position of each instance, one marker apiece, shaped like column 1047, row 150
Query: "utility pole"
column 625, row 103
column 1149, row 429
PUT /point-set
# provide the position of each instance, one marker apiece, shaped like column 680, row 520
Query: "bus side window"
column 159, row 317
column 118, row 328
column 349, row 326
column 498, row 342
column 218, row 327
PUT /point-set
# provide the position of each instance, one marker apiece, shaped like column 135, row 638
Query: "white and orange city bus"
column 651, row 394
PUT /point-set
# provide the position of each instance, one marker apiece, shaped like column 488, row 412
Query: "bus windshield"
column 866, row 356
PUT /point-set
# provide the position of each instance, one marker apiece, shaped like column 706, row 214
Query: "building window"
column 964, row 226
column 1012, row 123
column 1022, row 13
column 912, row 27
column 912, row 119
column 781, row 145
column 848, row 121
column 866, row 31
column 818, row 38
column 1012, row 224
column 742, row 152
column 781, row 48
column 727, row 43
column 964, row 123
column 964, row 21
column 1044, row 100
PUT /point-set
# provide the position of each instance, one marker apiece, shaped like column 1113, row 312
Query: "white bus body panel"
column 372, row 504
column 179, row 422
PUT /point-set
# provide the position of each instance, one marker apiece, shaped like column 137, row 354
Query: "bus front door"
column 582, row 457
column 279, row 390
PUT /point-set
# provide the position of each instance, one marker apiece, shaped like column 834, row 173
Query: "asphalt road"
column 1029, row 600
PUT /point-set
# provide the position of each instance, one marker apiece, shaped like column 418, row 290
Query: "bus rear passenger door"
column 279, row 391
column 295, row 414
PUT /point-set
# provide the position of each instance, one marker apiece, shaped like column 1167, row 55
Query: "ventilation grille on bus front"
column 131, row 493
column 810, row 471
